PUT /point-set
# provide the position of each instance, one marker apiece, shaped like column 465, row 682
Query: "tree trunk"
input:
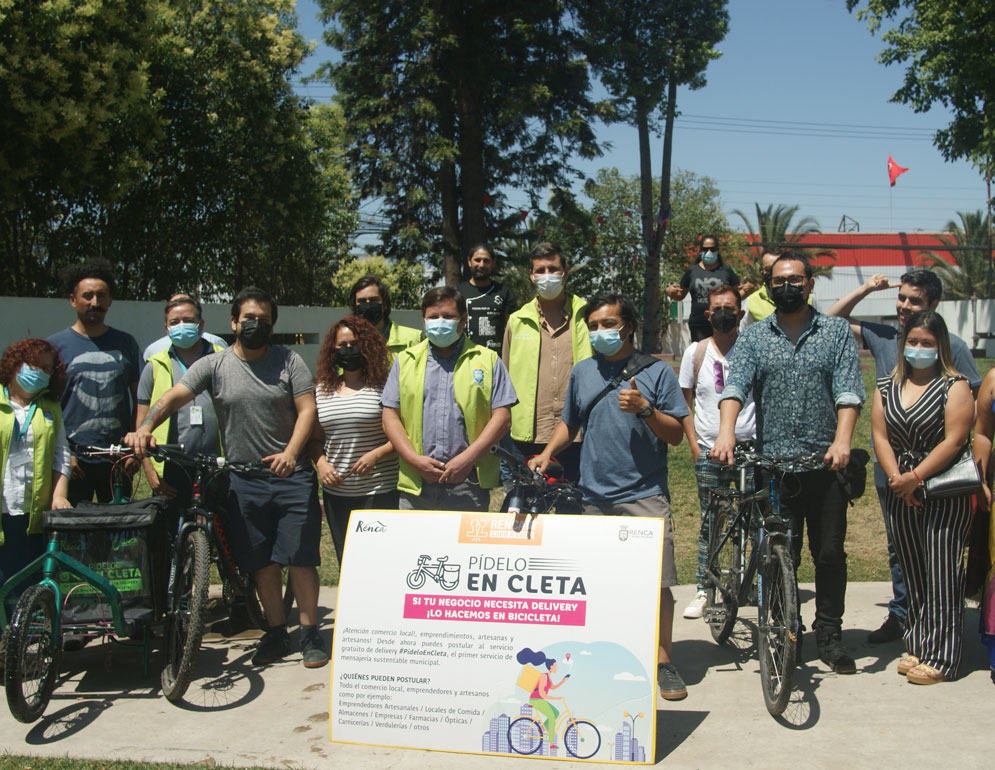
column 652, row 290
column 471, row 148
column 651, row 285
column 449, row 196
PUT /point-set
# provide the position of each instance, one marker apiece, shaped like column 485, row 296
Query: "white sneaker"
column 697, row 606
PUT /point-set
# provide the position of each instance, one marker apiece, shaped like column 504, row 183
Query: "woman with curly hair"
column 34, row 454
column 356, row 463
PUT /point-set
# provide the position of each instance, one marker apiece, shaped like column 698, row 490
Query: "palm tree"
column 970, row 275
column 775, row 225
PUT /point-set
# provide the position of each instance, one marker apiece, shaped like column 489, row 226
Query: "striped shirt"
column 353, row 427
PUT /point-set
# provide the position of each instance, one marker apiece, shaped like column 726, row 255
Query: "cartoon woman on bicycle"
column 540, row 697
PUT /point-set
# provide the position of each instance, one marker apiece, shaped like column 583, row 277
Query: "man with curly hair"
column 102, row 364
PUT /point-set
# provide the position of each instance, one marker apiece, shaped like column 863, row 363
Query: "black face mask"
column 723, row 320
column 371, row 311
column 788, row 298
column 254, row 334
column 349, row 358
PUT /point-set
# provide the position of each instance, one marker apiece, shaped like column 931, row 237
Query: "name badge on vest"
column 478, row 376
column 196, row 415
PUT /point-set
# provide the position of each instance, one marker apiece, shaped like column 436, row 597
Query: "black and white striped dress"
column 929, row 539
column 353, row 427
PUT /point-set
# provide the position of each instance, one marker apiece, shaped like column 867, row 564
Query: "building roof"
column 878, row 249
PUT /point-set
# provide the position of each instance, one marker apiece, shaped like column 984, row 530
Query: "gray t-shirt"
column 254, row 401
column 198, row 438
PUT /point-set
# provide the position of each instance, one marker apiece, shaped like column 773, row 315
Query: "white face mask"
column 549, row 285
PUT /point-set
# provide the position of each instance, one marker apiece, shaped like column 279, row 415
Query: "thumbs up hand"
column 631, row 400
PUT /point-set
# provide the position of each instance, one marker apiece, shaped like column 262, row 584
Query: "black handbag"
column 961, row 477
column 854, row 476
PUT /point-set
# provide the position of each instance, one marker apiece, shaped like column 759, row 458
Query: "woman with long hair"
column 704, row 274
column 34, row 454
column 921, row 419
column 540, row 699
column 356, row 463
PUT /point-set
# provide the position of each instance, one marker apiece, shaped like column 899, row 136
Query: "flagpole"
column 891, row 216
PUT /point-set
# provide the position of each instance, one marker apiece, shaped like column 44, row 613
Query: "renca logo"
column 478, row 376
column 498, row 529
column 370, row 526
column 624, row 533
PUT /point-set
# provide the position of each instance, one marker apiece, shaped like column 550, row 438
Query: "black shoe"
column 672, row 687
column 833, row 653
column 891, row 630
column 274, row 645
column 312, row 650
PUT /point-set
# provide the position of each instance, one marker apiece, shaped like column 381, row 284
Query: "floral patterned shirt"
column 797, row 388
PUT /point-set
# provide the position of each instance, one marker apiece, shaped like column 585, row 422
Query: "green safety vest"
column 472, row 387
column 401, row 337
column 45, row 426
column 162, row 380
column 525, row 337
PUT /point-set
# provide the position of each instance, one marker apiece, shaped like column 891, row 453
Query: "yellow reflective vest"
column 472, row 387
column 401, row 337
column 45, row 428
column 524, row 337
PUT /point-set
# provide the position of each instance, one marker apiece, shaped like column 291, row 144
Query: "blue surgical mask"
column 442, row 332
column 31, row 379
column 920, row 358
column 607, row 342
column 709, row 257
column 184, row 335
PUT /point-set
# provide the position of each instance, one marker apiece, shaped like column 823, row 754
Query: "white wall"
column 22, row 317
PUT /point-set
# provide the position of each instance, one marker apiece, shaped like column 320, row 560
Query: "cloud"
column 625, row 676
column 585, row 652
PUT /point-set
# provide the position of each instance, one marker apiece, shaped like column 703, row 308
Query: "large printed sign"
column 464, row 632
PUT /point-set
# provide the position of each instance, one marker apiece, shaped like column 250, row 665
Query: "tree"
column 449, row 103
column 643, row 50
column 970, row 275
column 404, row 281
column 777, row 225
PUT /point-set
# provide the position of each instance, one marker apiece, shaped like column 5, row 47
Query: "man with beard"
column 487, row 301
column 263, row 396
column 102, row 366
column 804, row 372
column 370, row 299
column 918, row 290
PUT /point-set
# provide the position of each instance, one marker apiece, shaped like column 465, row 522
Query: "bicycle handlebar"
column 173, row 453
column 746, row 459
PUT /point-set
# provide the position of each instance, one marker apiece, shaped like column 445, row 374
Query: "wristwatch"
column 646, row 412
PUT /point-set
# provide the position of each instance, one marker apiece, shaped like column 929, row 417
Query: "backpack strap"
column 699, row 358
column 637, row 363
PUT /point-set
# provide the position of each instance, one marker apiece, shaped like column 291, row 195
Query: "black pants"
column 816, row 498
column 96, row 480
column 338, row 508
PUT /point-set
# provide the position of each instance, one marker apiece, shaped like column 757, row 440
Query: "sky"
column 795, row 111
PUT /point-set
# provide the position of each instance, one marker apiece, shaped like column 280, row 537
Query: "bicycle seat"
column 443, row 559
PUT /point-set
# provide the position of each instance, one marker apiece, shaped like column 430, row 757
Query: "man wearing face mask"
column 918, row 290
column 164, row 343
column 631, row 407
column 704, row 275
column 445, row 402
column 263, row 396
column 543, row 341
column 195, row 424
column 704, row 371
column 804, row 373
column 370, row 299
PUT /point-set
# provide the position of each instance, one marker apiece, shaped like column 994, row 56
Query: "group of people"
column 399, row 417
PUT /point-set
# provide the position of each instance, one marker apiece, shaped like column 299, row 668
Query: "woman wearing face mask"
column 356, row 463
column 34, row 455
column 705, row 274
column 921, row 419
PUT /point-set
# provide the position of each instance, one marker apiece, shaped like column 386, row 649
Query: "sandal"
column 925, row 674
column 907, row 663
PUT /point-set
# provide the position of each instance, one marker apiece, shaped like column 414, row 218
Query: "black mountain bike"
column 750, row 536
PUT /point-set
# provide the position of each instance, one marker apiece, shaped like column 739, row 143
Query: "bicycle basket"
column 126, row 544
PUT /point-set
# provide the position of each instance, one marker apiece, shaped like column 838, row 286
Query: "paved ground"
column 279, row 717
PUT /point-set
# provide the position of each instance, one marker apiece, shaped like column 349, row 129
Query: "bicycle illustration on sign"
column 446, row 575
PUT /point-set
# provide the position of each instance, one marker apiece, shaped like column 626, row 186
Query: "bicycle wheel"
column 778, row 630
column 582, row 739
column 185, row 621
column 525, row 735
column 239, row 594
column 416, row 579
column 721, row 609
column 33, row 654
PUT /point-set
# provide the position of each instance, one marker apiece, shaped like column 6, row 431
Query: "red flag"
column 894, row 170
column 524, row 213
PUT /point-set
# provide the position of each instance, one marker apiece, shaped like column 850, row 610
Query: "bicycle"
column 581, row 737
column 446, row 575
column 531, row 492
column 736, row 554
